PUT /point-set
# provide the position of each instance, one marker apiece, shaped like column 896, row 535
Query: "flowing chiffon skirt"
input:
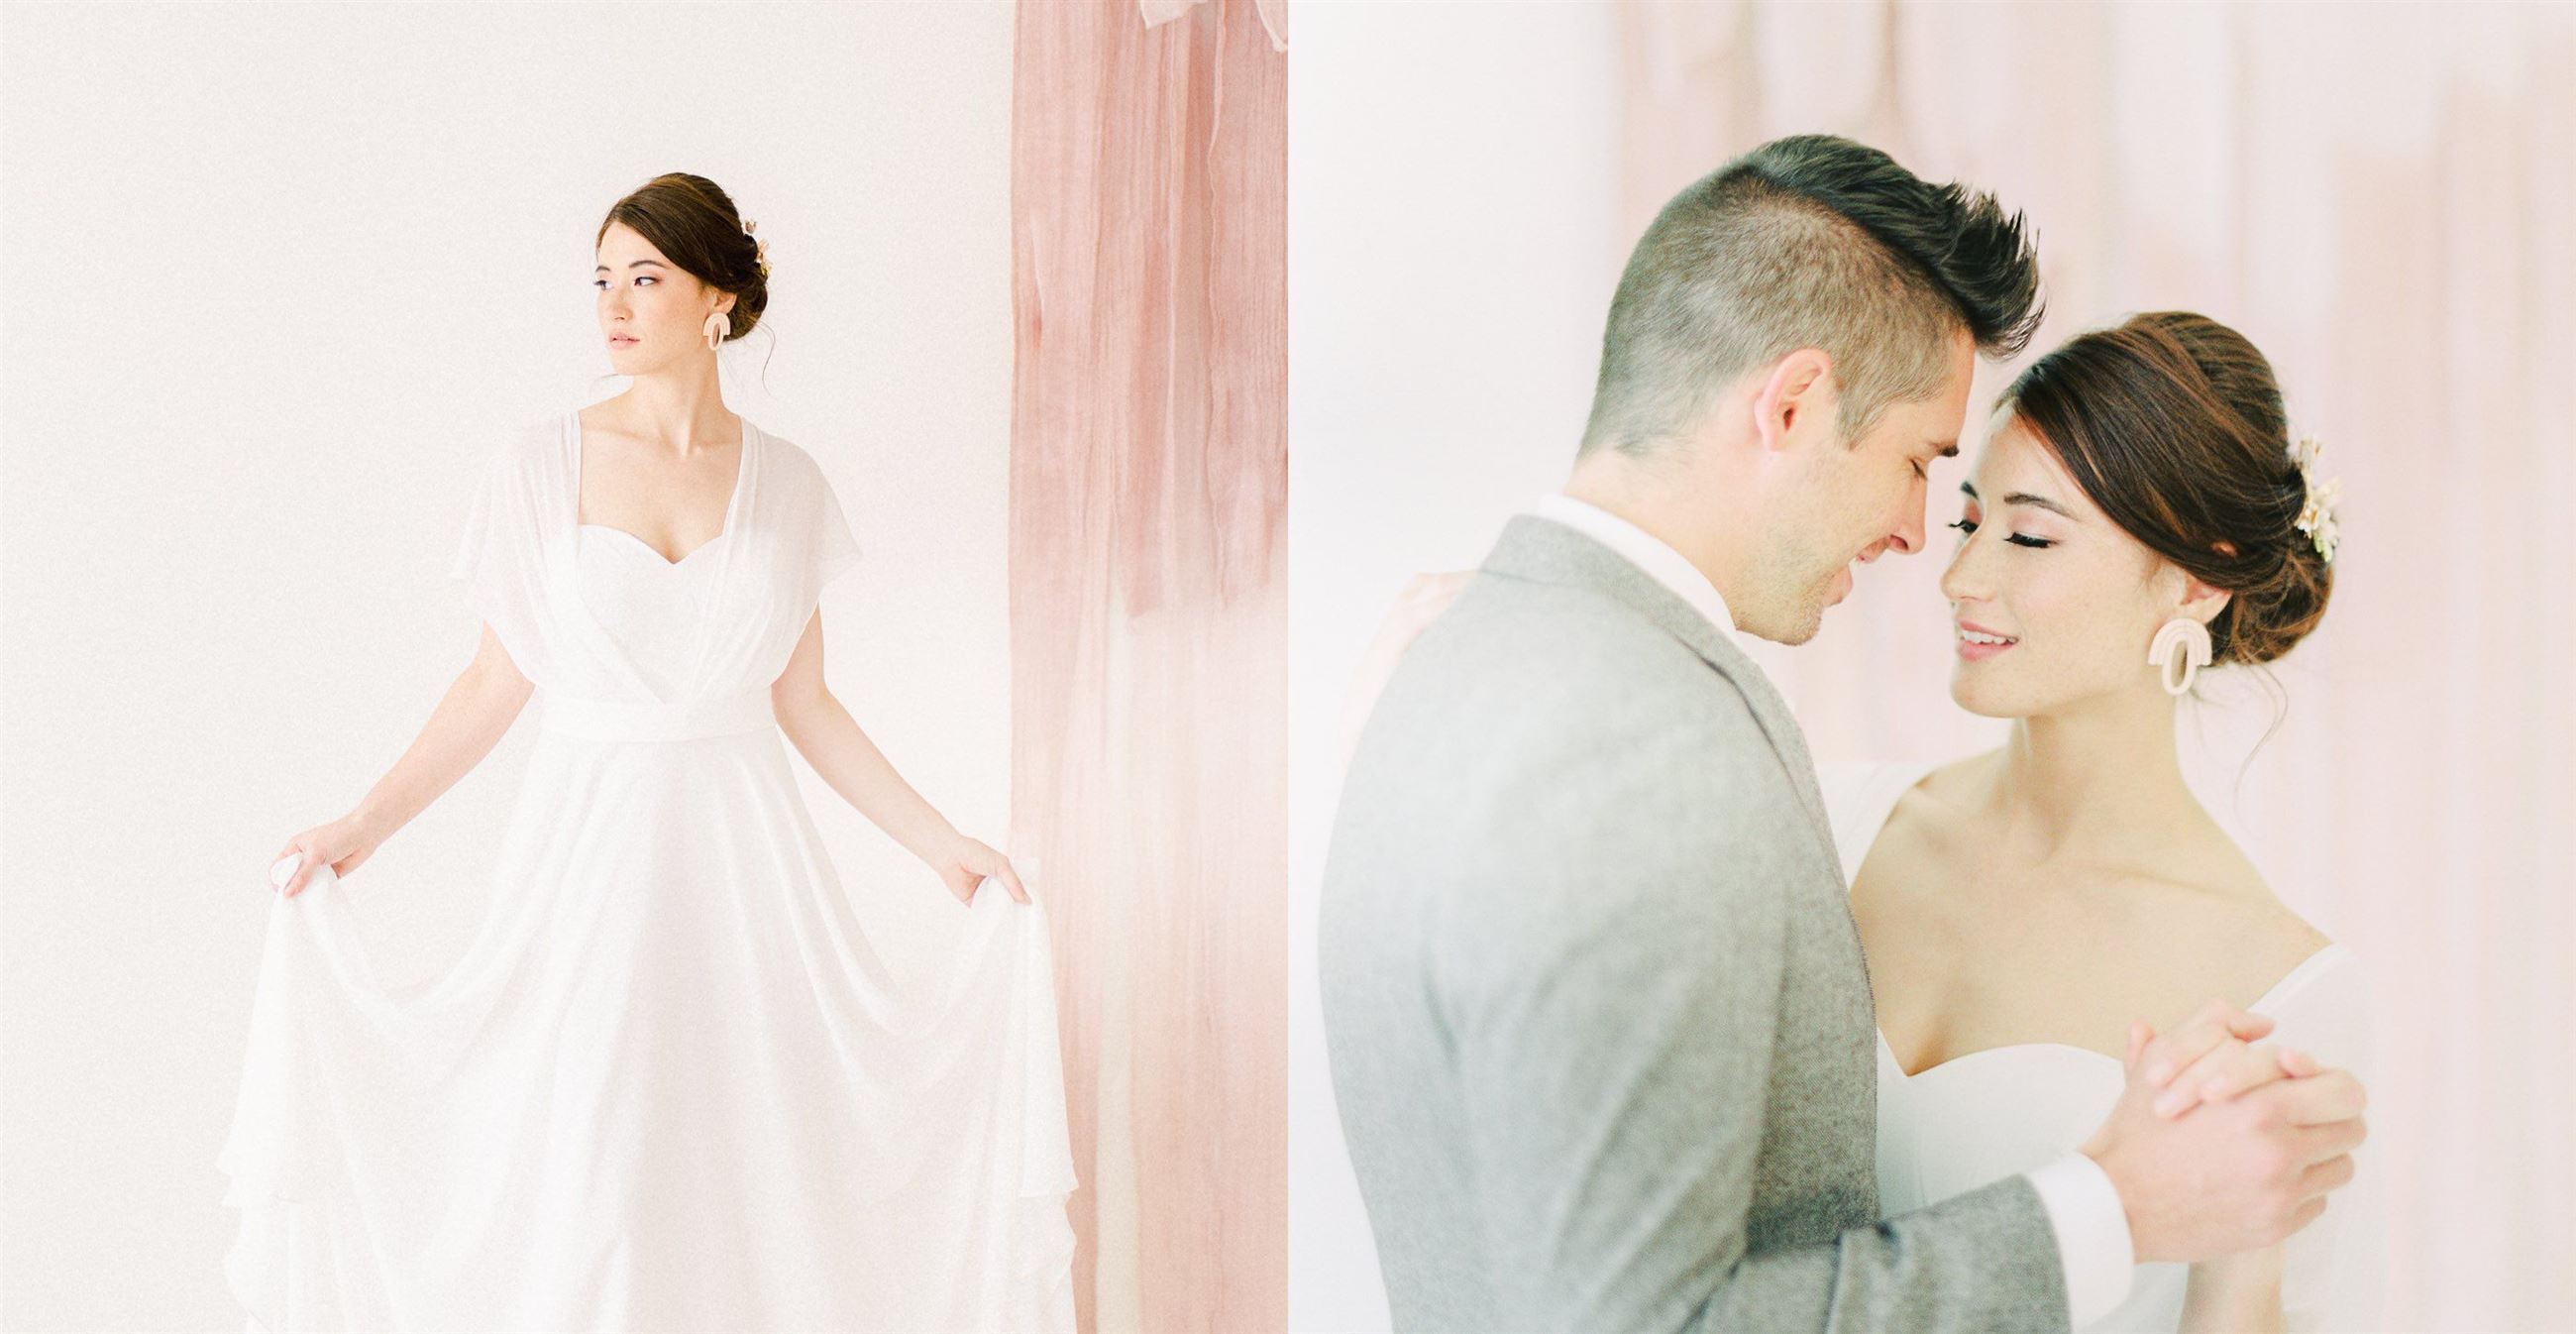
column 668, row 1086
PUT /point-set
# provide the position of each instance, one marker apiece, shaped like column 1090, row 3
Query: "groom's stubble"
column 1838, row 503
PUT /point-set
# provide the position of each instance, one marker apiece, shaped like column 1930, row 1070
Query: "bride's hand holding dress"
column 969, row 862
column 822, row 730
column 343, row 845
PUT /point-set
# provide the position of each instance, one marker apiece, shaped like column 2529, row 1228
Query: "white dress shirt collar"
column 1645, row 551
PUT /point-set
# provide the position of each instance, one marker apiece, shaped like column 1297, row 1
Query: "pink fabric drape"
column 1148, row 628
column 1274, row 16
column 2380, row 197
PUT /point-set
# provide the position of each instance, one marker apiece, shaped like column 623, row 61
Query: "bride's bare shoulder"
column 1929, row 825
column 2270, row 937
column 1947, row 790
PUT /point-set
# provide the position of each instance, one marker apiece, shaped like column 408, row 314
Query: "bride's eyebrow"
column 2026, row 498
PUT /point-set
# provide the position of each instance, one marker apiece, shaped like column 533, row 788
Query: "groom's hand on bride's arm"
column 2233, row 1174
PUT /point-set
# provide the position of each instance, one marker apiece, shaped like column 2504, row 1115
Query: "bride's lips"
column 621, row 340
column 1974, row 651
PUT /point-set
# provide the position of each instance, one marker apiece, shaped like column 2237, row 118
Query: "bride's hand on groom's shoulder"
column 2218, row 1145
column 1417, row 605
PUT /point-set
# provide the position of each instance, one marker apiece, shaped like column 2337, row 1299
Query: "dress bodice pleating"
column 656, row 612
column 620, row 640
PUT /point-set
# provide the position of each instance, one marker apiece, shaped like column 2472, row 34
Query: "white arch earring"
column 718, row 327
column 2192, row 639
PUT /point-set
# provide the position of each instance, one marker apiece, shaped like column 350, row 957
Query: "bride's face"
column 646, row 298
column 2073, row 599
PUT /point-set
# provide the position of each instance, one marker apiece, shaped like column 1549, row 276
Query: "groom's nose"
column 1907, row 539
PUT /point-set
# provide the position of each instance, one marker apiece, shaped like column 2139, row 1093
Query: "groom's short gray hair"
column 1810, row 241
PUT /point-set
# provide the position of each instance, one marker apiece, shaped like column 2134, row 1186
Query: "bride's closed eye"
column 1966, row 526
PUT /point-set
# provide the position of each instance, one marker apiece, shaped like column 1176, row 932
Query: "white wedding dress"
column 668, row 1086
column 1986, row 1115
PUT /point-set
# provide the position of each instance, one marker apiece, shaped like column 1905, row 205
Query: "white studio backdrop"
column 275, row 276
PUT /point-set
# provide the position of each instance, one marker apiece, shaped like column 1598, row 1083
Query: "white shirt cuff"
column 2092, row 1235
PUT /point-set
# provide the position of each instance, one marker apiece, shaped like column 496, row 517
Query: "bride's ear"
column 2202, row 602
column 2195, row 598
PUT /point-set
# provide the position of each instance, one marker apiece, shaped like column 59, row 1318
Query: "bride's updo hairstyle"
column 692, row 221
column 2173, row 425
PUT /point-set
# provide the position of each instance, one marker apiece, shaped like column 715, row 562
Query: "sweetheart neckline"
column 2287, row 983
column 649, row 549
column 1983, row 1051
column 733, row 501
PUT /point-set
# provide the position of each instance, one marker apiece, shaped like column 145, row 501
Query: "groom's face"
column 1847, row 502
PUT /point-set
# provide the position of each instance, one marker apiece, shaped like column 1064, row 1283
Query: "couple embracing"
column 1638, row 1022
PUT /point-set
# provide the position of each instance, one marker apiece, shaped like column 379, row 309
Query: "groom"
column 1599, row 1023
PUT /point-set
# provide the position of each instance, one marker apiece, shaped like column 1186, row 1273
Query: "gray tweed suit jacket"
column 1599, row 1024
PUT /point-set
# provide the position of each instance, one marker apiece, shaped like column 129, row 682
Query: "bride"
column 669, row 1085
column 2138, row 512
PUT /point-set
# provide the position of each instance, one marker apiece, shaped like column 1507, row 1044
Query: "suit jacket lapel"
column 1535, row 548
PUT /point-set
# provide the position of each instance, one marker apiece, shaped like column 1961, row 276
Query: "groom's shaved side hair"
column 1810, row 241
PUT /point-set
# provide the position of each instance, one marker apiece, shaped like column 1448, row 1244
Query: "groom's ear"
column 1796, row 398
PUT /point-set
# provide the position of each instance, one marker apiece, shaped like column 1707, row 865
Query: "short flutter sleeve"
column 500, row 557
column 835, row 550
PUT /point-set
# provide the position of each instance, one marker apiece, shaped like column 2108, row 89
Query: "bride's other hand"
column 2232, row 1068
column 344, row 845
column 2211, row 1058
column 2217, row 1024
column 969, row 862
column 2236, row 1175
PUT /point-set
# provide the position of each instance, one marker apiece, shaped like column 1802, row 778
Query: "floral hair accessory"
column 760, row 248
column 2317, row 516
